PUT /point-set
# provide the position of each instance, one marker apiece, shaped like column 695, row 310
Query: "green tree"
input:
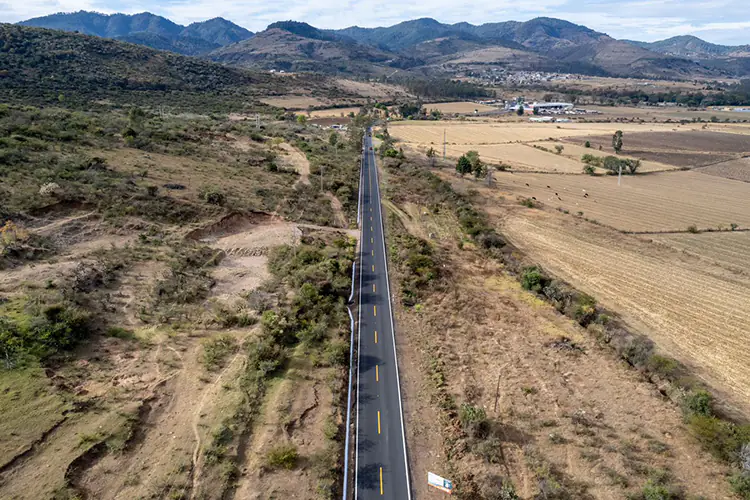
column 463, row 166
column 559, row 148
column 333, row 139
column 519, row 111
column 617, row 141
column 431, row 154
column 302, row 119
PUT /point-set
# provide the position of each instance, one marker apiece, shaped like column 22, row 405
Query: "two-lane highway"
column 381, row 469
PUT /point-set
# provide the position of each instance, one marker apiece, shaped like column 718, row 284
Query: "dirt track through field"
column 689, row 311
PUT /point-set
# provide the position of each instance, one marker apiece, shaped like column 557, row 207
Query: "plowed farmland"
column 520, row 157
column 730, row 250
column 686, row 307
column 669, row 201
column 735, row 169
column 688, row 148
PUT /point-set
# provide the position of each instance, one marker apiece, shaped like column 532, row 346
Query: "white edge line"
column 359, row 338
column 393, row 328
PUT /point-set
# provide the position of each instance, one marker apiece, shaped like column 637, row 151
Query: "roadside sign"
column 440, row 483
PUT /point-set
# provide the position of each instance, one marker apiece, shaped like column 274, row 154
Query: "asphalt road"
column 380, row 464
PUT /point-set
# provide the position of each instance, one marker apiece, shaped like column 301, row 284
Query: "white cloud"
column 724, row 21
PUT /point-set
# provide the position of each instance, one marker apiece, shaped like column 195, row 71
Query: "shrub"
column 722, row 439
column 740, row 482
column 284, row 456
column 216, row 349
column 559, row 148
column 213, row 196
column 490, row 450
column 698, row 403
column 528, row 202
column 589, row 170
column 587, row 144
column 474, row 420
column 533, row 279
column 693, row 229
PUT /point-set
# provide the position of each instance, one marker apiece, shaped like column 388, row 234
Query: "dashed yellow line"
column 373, row 252
column 376, row 336
column 372, row 240
column 373, row 268
column 377, row 374
column 381, row 480
column 373, row 287
column 374, row 310
column 378, row 421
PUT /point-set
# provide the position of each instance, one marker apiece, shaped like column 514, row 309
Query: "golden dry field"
column 333, row 112
column 667, row 201
column 575, row 152
column 293, row 101
column 459, row 107
column 692, row 309
column 730, row 250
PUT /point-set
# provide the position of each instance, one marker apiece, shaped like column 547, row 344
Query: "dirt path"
column 295, row 159
column 338, row 210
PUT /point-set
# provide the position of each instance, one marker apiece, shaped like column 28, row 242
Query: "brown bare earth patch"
column 682, row 149
column 540, row 379
column 293, row 102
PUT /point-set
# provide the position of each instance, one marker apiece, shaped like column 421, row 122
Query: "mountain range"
column 148, row 29
column 422, row 46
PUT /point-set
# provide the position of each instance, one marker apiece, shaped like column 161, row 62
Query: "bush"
column 587, row 144
column 533, row 279
column 740, row 482
column 722, row 439
column 589, row 170
column 216, row 349
column 284, row 456
column 698, row 403
column 213, row 196
column 693, row 229
column 474, row 420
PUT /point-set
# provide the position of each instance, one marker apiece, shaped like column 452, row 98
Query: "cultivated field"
column 293, row 102
column 668, row 201
column 333, row 112
column 575, row 151
column 734, row 169
column 520, row 157
column 499, row 132
column 729, row 250
column 693, row 311
column 665, row 113
column 459, row 107
column 683, row 149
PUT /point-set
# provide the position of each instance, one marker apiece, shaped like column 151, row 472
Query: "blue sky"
column 718, row 21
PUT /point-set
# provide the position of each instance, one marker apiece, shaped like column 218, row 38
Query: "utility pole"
column 444, row 132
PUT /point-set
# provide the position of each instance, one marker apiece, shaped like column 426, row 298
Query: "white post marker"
column 440, row 483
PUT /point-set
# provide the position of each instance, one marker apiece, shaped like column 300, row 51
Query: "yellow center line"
column 373, row 252
column 370, row 228
column 376, row 336
column 381, row 480
column 373, row 287
column 374, row 310
column 377, row 374
column 373, row 268
column 372, row 240
column 378, row 421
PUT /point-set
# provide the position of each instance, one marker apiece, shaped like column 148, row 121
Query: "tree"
column 587, row 144
column 633, row 165
column 536, row 110
column 302, row 119
column 559, row 148
column 477, row 166
column 333, row 139
column 431, row 153
column 463, row 166
column 519, row 111
column 588, row 169
column 617, row 141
